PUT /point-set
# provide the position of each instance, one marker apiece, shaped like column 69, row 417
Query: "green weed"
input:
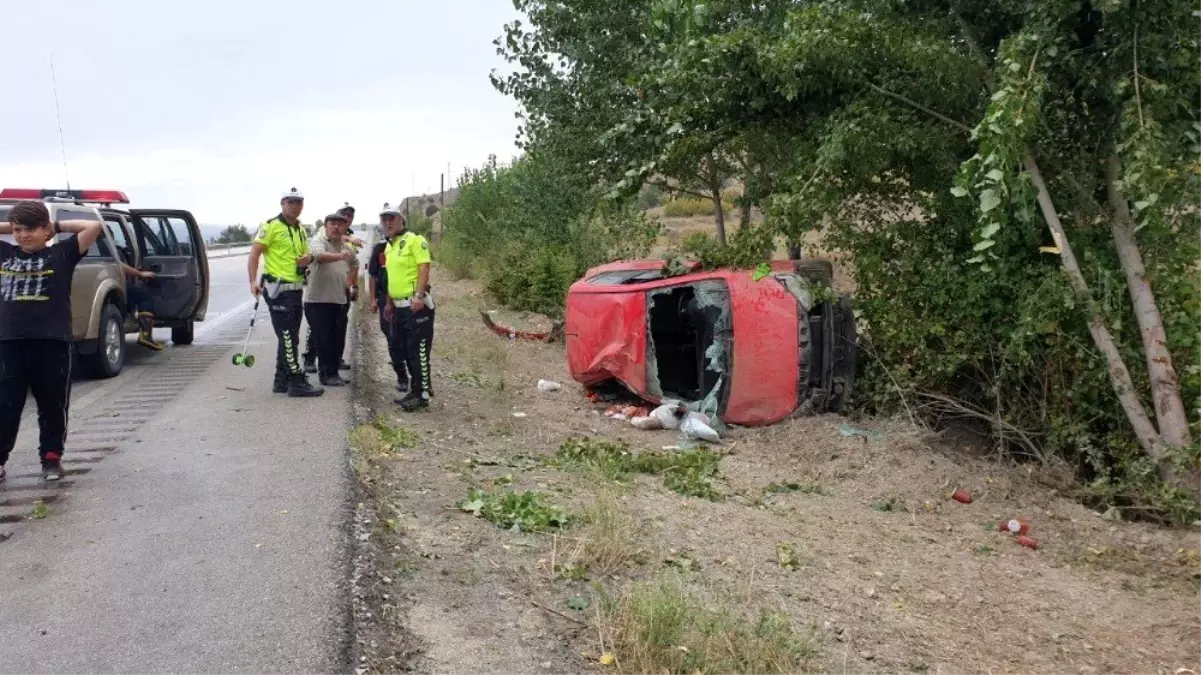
column 805, row 488
column 515, row 511
column 690, row 473
column 394, row 437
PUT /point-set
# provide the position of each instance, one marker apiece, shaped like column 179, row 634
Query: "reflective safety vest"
column 283, row 245
column 403, row 257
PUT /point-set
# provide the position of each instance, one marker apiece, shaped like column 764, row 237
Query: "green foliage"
column 650, row 197
column 394, row 437
column 419, row 223
column 690, row 473
column 902, row 130
column 516, row 511
column 533, row 227
column 235, row 234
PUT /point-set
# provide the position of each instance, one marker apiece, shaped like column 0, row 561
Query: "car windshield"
column 621, row 277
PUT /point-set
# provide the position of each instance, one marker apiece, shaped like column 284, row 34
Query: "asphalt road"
column 202, row 525
column 229, row 298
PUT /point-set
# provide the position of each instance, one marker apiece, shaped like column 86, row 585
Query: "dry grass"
column 608, row 544
column 661, row 626
column 927, row 585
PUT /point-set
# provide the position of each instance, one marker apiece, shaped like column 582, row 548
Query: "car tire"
column 846, row 354
column 109, row 358
column 184, row 333
column 815, row 271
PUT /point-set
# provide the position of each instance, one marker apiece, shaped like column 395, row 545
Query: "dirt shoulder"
column 829, row 546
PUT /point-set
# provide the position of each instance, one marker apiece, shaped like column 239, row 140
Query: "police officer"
column 392, row 224
column 410, row 312
column 284, row 247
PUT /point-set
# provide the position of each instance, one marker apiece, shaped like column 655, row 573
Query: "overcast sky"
column 218, row 106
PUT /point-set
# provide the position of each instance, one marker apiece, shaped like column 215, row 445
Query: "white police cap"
column 292, row 194
column 389, row 210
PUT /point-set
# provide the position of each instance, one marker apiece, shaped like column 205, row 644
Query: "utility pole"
column 442, row 204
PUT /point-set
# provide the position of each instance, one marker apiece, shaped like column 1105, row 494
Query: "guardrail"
column 226, row 250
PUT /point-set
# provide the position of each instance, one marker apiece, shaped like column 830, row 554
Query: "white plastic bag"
column 666, row 414
column 694, row 429
column 647, row 423
column 546, row 386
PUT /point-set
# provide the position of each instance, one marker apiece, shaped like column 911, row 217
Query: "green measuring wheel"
column 242, row 358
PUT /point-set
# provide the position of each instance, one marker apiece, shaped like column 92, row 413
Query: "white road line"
column 210, row 325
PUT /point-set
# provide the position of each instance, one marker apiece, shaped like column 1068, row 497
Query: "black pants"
column 328, row 340
column 343, row 326
column 42, row 367
column 385, row 326
column 409, row 347
column 286, row 312
column 310, row 345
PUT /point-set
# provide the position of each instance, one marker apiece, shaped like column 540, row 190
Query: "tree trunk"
column 1165, row 385
column 719, row 213
column 1119, row 374
column 794, row 250
column 714, row 184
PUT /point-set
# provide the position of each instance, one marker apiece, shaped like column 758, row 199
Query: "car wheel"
column 109, row 358
column 184, row 333
column 815, row 271
column 846, row 354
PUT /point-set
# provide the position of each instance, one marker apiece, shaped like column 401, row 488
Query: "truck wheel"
column 109, row 358
column 815, row 271
column 184, row 333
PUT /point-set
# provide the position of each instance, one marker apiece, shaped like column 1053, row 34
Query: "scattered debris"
column 520, row 415
column 547, row 386
column 554, row 334
column 1028, row 542
column 851, row 432
column 1015, row 526
column 962, row 496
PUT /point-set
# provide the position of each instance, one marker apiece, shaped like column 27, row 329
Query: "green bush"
column 650, row 197
column 531, row 228
column 533, row 278
column 419, row 223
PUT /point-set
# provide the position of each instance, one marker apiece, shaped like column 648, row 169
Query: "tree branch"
column 673, row 188
column 1138, row 97
column 910, row 102
column 1119, row 375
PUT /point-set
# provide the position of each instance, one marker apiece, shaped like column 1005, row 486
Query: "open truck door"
column 173, row 248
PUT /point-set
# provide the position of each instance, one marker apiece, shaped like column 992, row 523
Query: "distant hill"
column 428, row 203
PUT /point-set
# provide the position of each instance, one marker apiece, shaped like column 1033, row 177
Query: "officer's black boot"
column 310, row 365
column 299, row 387
column 280, row 384
column 413, row 402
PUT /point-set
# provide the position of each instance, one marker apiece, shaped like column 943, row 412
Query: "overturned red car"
column 753, row 347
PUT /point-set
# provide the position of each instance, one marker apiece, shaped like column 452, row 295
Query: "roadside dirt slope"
column 883, row 572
